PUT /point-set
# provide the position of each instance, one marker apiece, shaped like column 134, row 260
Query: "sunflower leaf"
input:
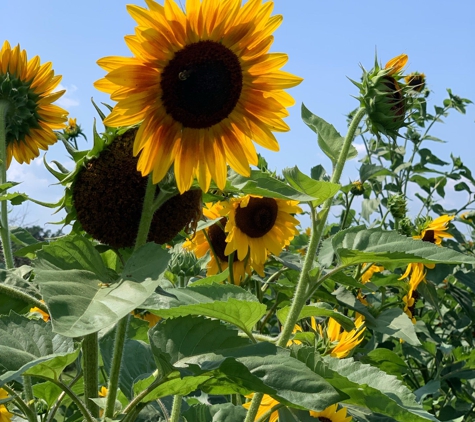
column 225, row 412
column 30, row 347
column 358, row 245
column 366, row 386
column 317, row 188
column 83, row 295
column 224, row 302
column 329, row 140
column 318, row 310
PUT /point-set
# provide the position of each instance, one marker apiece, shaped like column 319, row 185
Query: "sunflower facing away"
column 259, row 226
column 204, row 86
column 27, row 86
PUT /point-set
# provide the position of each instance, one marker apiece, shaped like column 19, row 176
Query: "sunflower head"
column 416, row 81
column 357, row 188
column 429, row 230
column 26, row 91
column 204, row 85
column 332, row 414
column 384, row 97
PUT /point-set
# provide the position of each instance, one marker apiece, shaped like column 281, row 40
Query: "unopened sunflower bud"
column 357, row 188
column 183, row 263
column 406, row 227
column 383, row 97
column 397, row 206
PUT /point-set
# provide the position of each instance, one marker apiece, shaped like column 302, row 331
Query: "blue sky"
column 325, row 41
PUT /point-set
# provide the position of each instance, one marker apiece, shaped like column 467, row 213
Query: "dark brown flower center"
column 258, row 217
column 217, row 238
column 429, row 236
column 395, row 96
column 324, row 419
column 202, row 84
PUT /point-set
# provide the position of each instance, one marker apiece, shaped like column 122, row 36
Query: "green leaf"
column 370, row 171
column 318, row 189
column 318, row 309
column 225, row 302
column 263, row 184
column 366, row 386
column 213, row 279
column 191, row 335
column 30, row 347
column 84, row 301
column 387, row 361
column 226, row 412
column 329, row 140
column 358, row 245
column 15, row 279
column 47, row 391
column 369, row 206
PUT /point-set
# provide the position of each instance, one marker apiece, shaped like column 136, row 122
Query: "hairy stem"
column 90, row 352
column 176, row 408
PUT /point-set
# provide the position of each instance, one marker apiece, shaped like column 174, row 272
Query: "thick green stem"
column 90, row 352
column 147, row 214
column 176, row 408
column 317, row 231
column 113, row 385
column 4, row 229
column 17, row 294
column 28, row 392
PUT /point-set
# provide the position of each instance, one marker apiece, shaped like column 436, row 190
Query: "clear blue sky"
column 325, row 41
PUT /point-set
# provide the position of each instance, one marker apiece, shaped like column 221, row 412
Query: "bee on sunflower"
column 204, row 85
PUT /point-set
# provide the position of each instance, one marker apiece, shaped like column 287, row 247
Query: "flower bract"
column 28, row 88
column 204, row 85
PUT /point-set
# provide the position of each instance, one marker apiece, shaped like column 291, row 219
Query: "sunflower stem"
column 147, row 214
column 28, row 392
column 176, row 408
column 30, row 415
column 90, row 347
column 4, row 229
column 318, row 225
column 112, row 387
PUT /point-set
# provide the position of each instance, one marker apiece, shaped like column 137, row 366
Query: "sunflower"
column 259, row 226
column 332, row 414
column 27, row 87
column 343, row 342
column 416, row 81
column 267, row 404
column 103, row 392
column 5, row 415
column 204, row 85
column 432, row 231
column 366, row 276
column 213, row 239
column 152, row 319
column 43, row 314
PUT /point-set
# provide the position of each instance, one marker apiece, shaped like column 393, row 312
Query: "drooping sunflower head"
column 417, row 81
column 108, row 192
column 384, row 97
column 258, row 226
column 26, row 90
column 204, row 85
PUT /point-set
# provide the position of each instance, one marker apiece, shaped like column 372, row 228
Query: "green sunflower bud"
column 406, row 227
column 397, row 206
column 357, row 188
column 184, row 263
column 383, row 97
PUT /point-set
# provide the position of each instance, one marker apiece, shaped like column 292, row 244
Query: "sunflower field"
column 195, row 283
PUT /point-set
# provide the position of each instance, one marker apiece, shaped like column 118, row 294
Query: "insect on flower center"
column 202, row 84
column 258, row 217
column 217, row 238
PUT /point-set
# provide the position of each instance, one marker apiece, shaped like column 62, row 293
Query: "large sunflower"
column 259, row 225
column 31, row 117
column 332, row 414
column 204, row 85
column 213, row 240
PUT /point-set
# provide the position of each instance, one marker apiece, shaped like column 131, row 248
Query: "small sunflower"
column 43, row 314
column 434, row 231
column 267, row 404
column 31, row 116
column 343, row 342
column 258, row 226
column 152, row 319
column 5, row 415
column 213, row 240
column 204, row 85
column 103, row 392
column 417, row 81
column 366, row 276
column 332, row 414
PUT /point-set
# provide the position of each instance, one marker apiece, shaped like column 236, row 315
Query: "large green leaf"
column 30, row 347
column 225, row 302
column 318, row 189
column 178, row 338
column 318, row 310
column 260, row 183
column 83, row 301
column 278, row 374
column 369, row 171
column 358, row 245
column 366, row 386
column 16, row 280
column 226, row 412
column 329, row 140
